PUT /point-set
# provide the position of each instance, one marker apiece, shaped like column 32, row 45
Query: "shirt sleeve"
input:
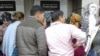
column 41, row 41
column 78, row 34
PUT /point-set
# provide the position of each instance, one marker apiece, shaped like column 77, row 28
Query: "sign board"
column 7, row 6
column 50, row 5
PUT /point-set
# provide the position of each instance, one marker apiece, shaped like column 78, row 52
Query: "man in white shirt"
column 60, row 35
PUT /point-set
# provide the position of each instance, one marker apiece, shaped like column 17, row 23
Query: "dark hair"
column 18, row 15
column 6, row 16
column 55, row 15
column 67, row 20
column 35, row 9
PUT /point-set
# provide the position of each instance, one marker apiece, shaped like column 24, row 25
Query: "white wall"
column 63, row 5
column 20, row 5
column 37, row 2
column 69, row 7
column 27, row 6
column 86, row 2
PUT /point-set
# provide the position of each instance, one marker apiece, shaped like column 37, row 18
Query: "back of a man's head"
column 55, row 15
column 36, row 9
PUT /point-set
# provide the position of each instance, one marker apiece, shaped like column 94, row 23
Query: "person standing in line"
column 31, row 39
column 75, row 19
column 94, row 41
column 2, row 31
column 60, row 35
column 9, row 43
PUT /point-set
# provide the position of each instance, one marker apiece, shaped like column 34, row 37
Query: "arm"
column 41, row 41
column 78, row 35
column 1, row 34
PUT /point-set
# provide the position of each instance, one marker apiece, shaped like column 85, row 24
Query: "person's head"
column 67, row 20
column 75, row 19
column 5, row 13
column 37, row 12
column 18, row 16
column 92, row 8
column 4, row 17
column 58, row 16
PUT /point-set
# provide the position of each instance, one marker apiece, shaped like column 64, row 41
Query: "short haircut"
column 55, row 15
column 36, row 9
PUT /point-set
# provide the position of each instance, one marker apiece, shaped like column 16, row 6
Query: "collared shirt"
column 59, row 39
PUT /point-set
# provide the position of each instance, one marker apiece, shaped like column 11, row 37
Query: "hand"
column 75, row 46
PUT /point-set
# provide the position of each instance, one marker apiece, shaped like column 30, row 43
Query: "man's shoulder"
column 59, row 26
column 30, row 23
column 70, row 25
column 66, row 25
column 29, row 27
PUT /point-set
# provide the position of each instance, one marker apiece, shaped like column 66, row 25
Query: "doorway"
column 77, row 6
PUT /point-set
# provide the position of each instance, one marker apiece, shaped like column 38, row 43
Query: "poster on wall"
column 50, row 5
column 7, row 6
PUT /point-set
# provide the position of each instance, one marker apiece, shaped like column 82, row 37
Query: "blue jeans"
column 92, row 53
column 15, row 52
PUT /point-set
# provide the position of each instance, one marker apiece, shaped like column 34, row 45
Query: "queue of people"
column 9, row 38
column 31, row 36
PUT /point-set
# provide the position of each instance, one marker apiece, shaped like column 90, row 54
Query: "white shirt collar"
column 56, row 23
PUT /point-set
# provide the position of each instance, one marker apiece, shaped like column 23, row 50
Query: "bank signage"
column 7, row 6
column 50, row 5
